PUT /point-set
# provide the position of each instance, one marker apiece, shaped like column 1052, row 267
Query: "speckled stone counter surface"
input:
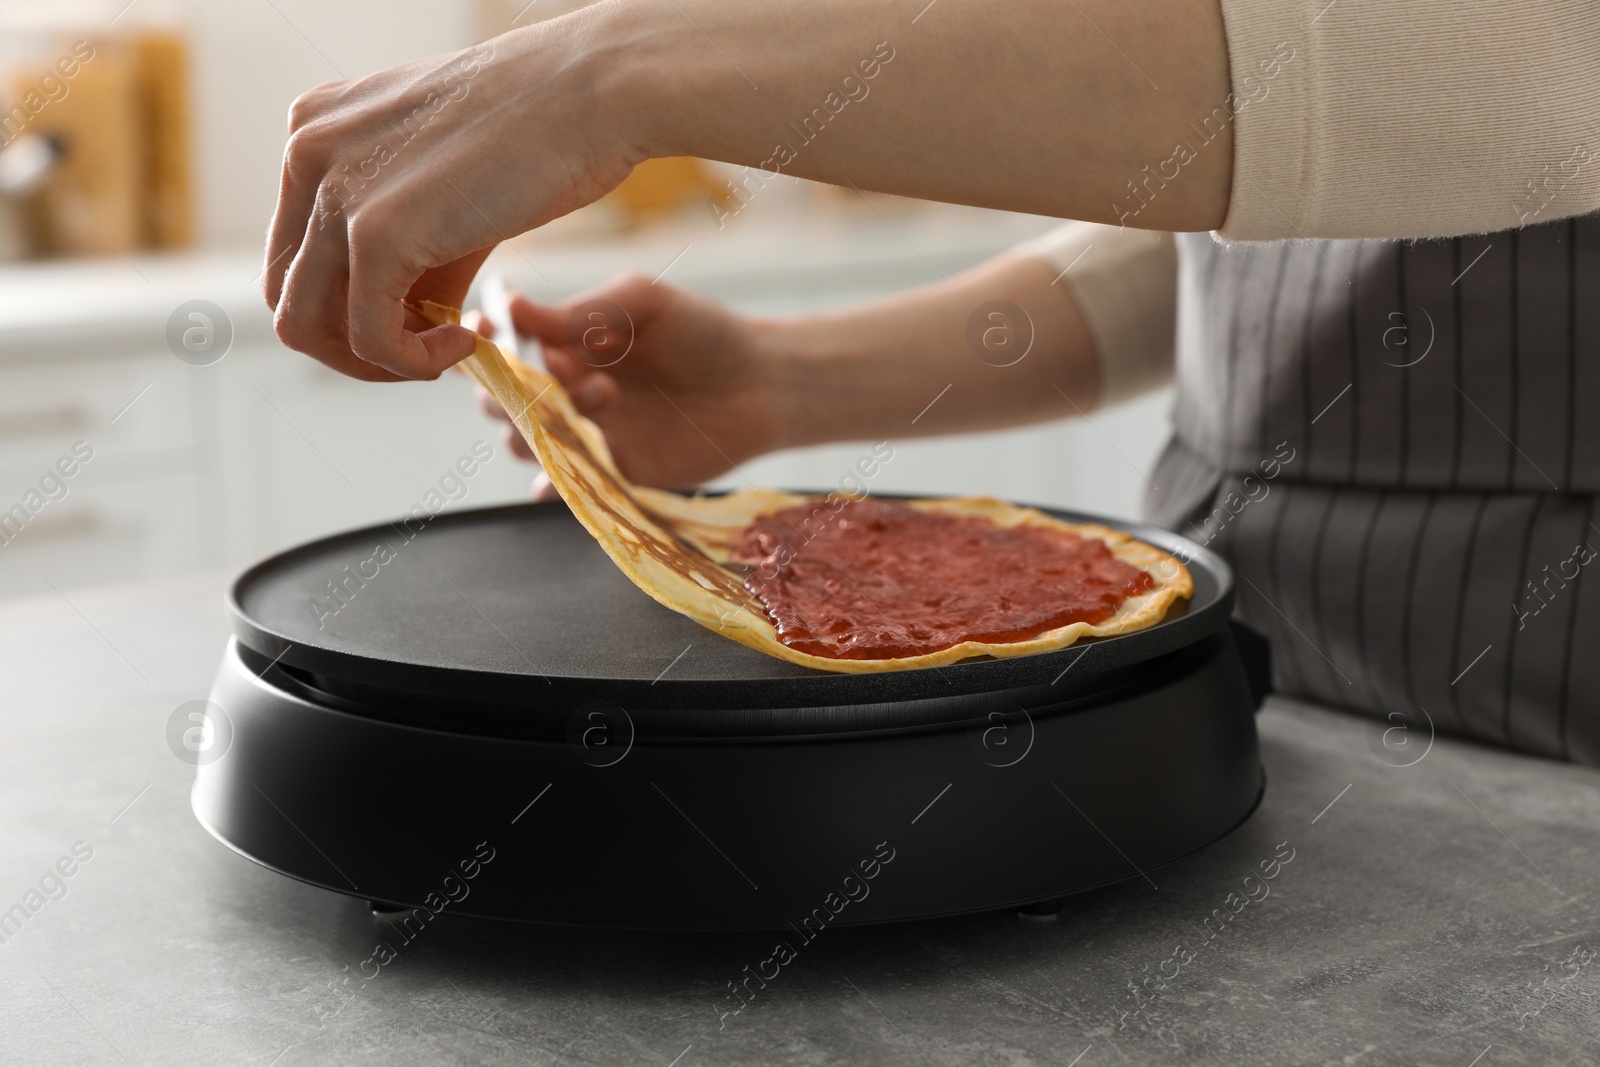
column 1439, row 913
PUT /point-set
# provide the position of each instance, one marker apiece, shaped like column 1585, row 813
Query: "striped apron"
column 1397, row 447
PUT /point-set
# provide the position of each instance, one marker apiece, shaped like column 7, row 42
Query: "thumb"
column 614, row 306
column 595, row 333
column 546, row 323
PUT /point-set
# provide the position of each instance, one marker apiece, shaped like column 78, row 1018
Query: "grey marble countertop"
column 1439, row 913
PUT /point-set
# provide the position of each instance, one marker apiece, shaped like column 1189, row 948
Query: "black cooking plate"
column 507, row 611
column 452, row 699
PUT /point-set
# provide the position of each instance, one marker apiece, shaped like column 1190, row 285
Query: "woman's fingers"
column 314, row 313
column 510, row 436
column 515, row 444
column 566, row 370
column 543, row 489
column 311, row 308
column 546, row 322
column 296, row 200
column 563, row 364
column 593, row 393
column 305, row 164
column 591, row 397
column 559, row 329
column 597, row 327
column 382, row 277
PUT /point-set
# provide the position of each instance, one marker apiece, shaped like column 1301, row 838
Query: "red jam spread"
column 868, row 580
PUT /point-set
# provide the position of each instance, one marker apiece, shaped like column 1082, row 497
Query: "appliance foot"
column 1043, row 911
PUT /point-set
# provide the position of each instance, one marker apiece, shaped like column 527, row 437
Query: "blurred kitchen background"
column 139, row 181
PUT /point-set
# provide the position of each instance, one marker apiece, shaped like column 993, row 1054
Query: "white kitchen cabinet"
column 122, row 427
column 111, row 531
column 301, row 451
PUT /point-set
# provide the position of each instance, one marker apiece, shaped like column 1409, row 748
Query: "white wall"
column 248, row 60
column 251, row 58
column 1099, row 468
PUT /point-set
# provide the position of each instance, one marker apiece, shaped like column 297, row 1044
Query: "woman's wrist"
column 725, row 81
column 829, row 377
column 883, row 369
column 648, row 78
column 785, row 368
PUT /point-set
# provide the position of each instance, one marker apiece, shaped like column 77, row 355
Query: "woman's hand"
column 683, row 388
column 397, row 185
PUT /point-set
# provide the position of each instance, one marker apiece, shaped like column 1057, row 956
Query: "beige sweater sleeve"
column 1125, row 283
column 1410, row 118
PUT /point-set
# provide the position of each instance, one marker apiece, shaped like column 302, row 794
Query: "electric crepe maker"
column 399, row 702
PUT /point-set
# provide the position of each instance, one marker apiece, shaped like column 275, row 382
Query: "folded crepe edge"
column 622, row 517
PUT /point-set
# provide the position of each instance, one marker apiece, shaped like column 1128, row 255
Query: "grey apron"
column 1396, row 446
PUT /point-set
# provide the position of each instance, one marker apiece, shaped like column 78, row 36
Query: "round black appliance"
column 400, row 702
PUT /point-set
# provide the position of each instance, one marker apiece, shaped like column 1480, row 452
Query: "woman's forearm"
column 395, row 186
column 1034, row 105
column 1001, row 345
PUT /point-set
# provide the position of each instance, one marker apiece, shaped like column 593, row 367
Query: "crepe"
column 677, row 548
